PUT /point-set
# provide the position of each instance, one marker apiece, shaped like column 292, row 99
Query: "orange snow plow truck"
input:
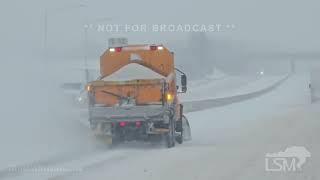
column 136, row 96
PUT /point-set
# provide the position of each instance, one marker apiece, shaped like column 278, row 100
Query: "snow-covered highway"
column 229, row 142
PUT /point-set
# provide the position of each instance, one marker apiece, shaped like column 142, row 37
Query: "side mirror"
column 183, row 83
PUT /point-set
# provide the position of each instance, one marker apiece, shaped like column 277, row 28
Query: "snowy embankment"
column 229, row 86
column 202, row 98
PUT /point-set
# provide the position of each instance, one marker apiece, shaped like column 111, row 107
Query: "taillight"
column 153, row 48
column 89, row 87
column 117, row 49
column 122, row 124
column 160, row 47
column 138, row 124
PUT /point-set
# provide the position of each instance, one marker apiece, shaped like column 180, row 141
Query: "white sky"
column 289, row 25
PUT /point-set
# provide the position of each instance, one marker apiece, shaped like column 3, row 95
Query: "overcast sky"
column 286, row 25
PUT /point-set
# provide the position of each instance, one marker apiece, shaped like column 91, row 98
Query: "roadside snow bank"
column 230, row 86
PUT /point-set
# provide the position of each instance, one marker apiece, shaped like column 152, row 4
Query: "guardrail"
column 192, row 106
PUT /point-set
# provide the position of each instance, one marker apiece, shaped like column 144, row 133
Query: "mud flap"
column 105, row 139
column 186, row 129
column 109, row 140
column 102, row 136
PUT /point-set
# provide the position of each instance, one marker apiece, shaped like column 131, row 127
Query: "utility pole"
column 85, row 40
column 45, row 32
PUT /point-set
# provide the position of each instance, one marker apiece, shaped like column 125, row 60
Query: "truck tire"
column 179, row 138
column 170, row 139
column 179, row 132
column 114, row 141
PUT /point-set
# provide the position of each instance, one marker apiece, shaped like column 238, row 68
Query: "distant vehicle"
column 74, row 86
column 136, row 96
column 314, row 85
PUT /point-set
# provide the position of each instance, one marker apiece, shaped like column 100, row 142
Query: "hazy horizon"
column 286, row 26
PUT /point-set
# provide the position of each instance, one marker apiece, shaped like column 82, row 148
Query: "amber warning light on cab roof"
column 152, row 48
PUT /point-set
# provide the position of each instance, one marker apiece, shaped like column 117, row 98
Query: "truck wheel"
column 115, row 138
column 171, row 134
column 114, row 141
column 179, row 138
column 179, row 130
